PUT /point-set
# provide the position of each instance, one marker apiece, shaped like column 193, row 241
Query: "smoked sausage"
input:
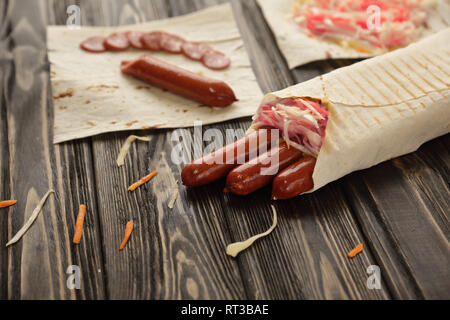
column 294, row 180
column 250, row 176
column 94, row 44
column 152, row 40
column 135, row 39
column 195, row 50
column 157, row 41
column 171, row 43
column 215, row 60
column 217, row 164
column 117, row 42
column 207, row 91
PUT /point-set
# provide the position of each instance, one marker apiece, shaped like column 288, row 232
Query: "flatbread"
column 92, row 96
column 299, row 49
column 380, row 108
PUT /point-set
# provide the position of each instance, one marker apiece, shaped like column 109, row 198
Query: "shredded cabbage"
column 174, row 196
column 350, row 23
column 302, row 122
column 126, row 146
column 235, row 248
column 30, row 220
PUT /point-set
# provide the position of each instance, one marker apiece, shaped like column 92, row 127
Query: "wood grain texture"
column 4, row 190
column 406, row 218
column 5, row 62
column 41, row 254
column 37, row 264
column 268, row 64
column 398, row 210
column 173, row 254
column 75, row 184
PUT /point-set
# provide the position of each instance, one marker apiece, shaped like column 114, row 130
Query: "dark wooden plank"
column 173, row 254
column 4, row 186
column 41, row 253
column 76, row 185
column 37, row 264
column 260, row 43
column 5, row 61
column 403, row 207
column 426, row 172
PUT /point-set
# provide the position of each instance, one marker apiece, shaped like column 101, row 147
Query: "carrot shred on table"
column 79, row 224
column 142, row 181
column 358, row 249
column 128, row 230
column 7, row 203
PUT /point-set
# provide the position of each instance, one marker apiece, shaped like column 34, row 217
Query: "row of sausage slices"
column 158, row 41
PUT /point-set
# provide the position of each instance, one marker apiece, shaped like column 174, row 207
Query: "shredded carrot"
column 359, row 49
column 142, row 181
column 128, row 230
column 79, row 224
column 8, row 203
column 358, row 249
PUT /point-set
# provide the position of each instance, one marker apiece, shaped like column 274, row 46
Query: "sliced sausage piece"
column 217, row 164
column 171, row 43
column 117, row 42
column 207, row 91
column 94, row 44
column 259, row 172
column 152, row 40
column 294, row 180
column 134, row 37
column 216, row 60
column 195, row 50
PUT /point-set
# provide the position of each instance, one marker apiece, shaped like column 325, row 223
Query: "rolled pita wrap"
column 377, row 109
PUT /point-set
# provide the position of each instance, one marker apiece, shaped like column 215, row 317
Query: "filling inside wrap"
column 365, row 25
column 302, row 122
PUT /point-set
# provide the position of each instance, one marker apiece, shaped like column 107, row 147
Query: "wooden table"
column 398, row 209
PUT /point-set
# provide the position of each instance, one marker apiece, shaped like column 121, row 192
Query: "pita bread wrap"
column 379, row 108
column 298, row 48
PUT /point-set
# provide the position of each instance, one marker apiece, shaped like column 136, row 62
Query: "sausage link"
column 207, row 91
column 214, row 166
column 249, row 177
column 294, row 180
